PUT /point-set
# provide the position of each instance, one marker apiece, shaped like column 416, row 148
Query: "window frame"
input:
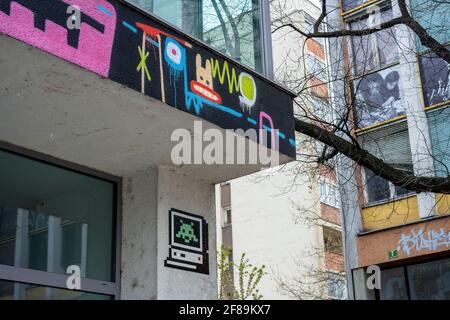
column 265, row 37
column 54, row 280
column 392, row 192
column 360, row 14
column 339, row 248
column 336, row 279
column 434, row 258
column 225, row 218
column 329, row 193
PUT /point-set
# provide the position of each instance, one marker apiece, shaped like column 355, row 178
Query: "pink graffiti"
column 262, row 116
column 94, row 48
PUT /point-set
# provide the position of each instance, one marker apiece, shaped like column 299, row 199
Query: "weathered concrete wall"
column 139, row 228
column 267, row 228
column 184, row 192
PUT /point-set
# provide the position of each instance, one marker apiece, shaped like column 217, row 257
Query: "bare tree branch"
column 362, row 157
column 425, row 38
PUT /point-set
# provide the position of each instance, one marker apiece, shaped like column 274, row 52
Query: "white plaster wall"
column 265, row 228
column 185, row 192
column 139, row 256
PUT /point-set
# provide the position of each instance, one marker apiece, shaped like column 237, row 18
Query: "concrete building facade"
column 397, row 90
column 288, row 218
column 91, row 94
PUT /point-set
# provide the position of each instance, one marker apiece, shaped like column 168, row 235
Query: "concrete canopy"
column 57, row 108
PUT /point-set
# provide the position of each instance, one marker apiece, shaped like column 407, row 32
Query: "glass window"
column 377, row 188
column 433, row 16
column 332, row 240
column 23, row 291
column 435, row 76
column 438, row 121
column 329, row 194
column 232, row 26
column 430, row 281
column 227, row 216
column 350, row 4
column 360, row 289
column 51, row 218
column 336, row 286
column 323, row 110
column 375, row 50
column 309, row 28
column 377, row 97
column 393, row 285
column 316, row 68
column 390, row 143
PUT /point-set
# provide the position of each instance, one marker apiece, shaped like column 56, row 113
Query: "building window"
column 227, row 216
column 336, row 287
column 233, row 27
column 24, row 291
column 379, row 189
column 440, row 137
column 420, row 281
column 430, row 281
column 52, row 218
column 350, row 4
column 377, row 97
column 435, row 76
column 323, row 110
column 375, row 50
column 391, row 144
column 393, row 284
column 433, row 17
column 316, row 68
column 309, row 28
column 329, row 194
column 332, row 239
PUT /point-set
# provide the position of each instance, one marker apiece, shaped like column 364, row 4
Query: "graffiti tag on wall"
column 117, row 42
column 423, row 240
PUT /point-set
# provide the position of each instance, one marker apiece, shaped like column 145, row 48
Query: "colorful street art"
column 188, row 242
column 43, row 24
column 117, row 42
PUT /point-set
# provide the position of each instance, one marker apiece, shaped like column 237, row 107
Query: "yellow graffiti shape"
column 233, row 84
column 143, row 64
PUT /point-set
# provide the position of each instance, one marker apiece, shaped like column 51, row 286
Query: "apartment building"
column 288, row 218
column 399, row 92
column 91, row 93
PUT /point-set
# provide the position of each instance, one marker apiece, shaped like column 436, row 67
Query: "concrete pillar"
column 419, row 135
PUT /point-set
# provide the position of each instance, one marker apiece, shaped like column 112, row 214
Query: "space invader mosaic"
column 188, row 242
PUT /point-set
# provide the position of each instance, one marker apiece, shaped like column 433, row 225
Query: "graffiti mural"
column 117, row 42
column 188, row 242
column 44, row 24
column 418, row 241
